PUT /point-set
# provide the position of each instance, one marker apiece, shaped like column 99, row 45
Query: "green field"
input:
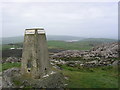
column 59, row 42
column 102, row 77
column 60, row 45
column 6, row 66
column 79, row 45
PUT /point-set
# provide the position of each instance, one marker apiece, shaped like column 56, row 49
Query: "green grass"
column 69, row 45
column 6, row 47
column 6, row 66
column 102, row 77
column 105, row 77
column 59, row 45
column 86, row 44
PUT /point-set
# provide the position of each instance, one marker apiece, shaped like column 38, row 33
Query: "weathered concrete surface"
column 12, row 78
column 35, row 61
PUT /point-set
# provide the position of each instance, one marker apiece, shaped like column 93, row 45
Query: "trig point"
column 35, row 71
column 35, row 60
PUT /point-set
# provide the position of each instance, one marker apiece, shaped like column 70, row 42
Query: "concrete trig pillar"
column 35, row 59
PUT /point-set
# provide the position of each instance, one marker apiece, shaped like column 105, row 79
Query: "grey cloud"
column 76, row 19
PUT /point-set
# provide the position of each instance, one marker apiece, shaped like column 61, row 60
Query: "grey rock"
column 12, row 78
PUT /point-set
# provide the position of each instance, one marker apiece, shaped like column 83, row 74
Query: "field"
column 59, row 45
column 102, row 77
column 81, row 45
column 53, row 46
column 6, row 66
column 84, row 44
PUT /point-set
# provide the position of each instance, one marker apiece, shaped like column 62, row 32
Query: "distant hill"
column 101, row 40
column 8, row 40
column 63, row 37
column 18, row 39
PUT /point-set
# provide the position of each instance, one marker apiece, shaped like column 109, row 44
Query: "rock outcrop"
column 12, row 78
column 102, row 55
column 103, row 51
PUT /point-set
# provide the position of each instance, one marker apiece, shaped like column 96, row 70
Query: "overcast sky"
column 83, row 19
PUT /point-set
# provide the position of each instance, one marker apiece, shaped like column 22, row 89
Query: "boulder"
column 12, row 78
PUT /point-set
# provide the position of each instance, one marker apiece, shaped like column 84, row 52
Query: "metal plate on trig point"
column 41, row 31
column 30, row 32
